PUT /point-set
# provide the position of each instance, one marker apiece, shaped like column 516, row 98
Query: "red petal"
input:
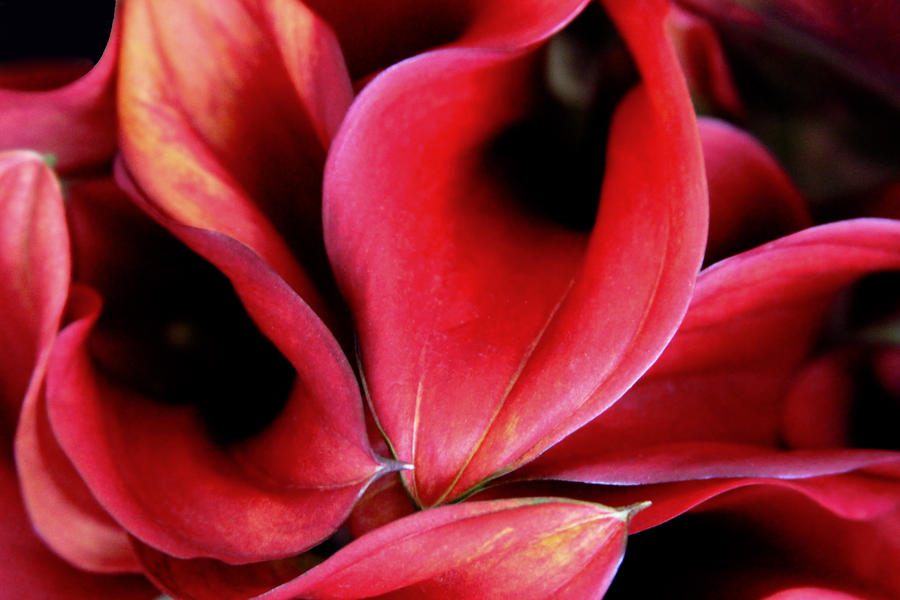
column 526, row 548
column 34, row 277
column 752, row 201
column 376, row 35
column 226, row 114
column 818, row 405
column 155, row 469
column 386, row 500
column 755, row 541
column 487, row 335
column 705, row 65
column 75, row 123
column 60, row 506
column 751, row 323
column 208, row 579
column 28, row 570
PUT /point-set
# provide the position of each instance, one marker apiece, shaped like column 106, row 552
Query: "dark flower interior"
column 553, row 160
column 865, row 320
column 172, row 327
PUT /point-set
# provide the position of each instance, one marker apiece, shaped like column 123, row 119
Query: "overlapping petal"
column 762, row 540
column 74, row 123
column 36, row 265
column 29, row 570
column 34, row 268
column 226, row 114
column 752, row 201
column 158, row 472
column 752, row 321
column 520, row 548
column 486, row 333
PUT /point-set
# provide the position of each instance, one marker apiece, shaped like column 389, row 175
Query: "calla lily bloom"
column 34, row 260
column 534, row 342
column 440, row 264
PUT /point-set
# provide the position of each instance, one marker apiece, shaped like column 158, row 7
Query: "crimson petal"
column 157, row 471
column 226, row 114
column 526, row 548
column 486, row 334
column 752, row 322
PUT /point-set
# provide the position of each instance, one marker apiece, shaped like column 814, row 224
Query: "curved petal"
column 154, row 465
column 486, row 333
column 226, row 114
column 28, row 570
column 386, row 500
column 375, row 36
column 35, row 269
column 526, row 548
column 705, row 66
column 75, row 123
column 752, row 322
column 751, row 199
column 59, row 504
column 36, row 265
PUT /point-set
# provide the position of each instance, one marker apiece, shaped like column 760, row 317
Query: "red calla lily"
column 440, row 265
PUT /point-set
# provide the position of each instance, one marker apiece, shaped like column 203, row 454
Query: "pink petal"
column 759, row 540
column 473, row 315
column 59, row 504
column 34, row 277
column 74, row 123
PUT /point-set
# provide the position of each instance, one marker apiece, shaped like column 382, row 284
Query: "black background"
column 40, row 29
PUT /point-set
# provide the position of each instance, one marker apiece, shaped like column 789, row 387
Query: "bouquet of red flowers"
column 337, row 300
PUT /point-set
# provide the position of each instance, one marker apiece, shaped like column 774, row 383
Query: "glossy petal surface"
column 526, row 548
column 752, row 201
column 473, row 312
